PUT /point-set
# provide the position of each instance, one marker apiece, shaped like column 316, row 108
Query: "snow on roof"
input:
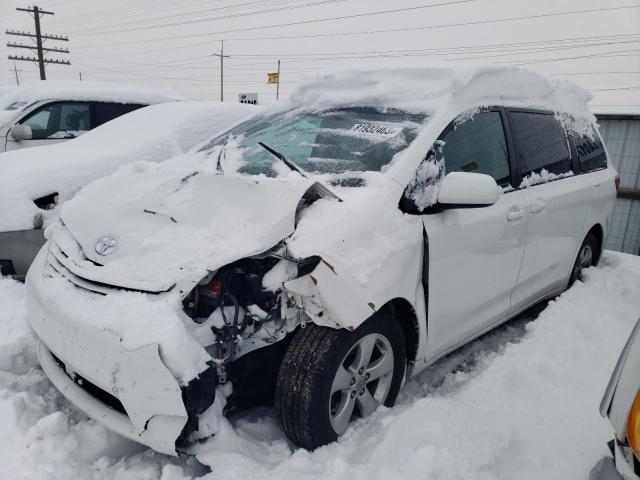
column 153, row 133
column 87, row 90
column 434, row 87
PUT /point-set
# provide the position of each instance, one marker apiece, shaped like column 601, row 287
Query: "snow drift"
column 505, row 407
column 152, row 134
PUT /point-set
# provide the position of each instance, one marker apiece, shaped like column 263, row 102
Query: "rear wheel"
column 586, row 258
column 329, row 378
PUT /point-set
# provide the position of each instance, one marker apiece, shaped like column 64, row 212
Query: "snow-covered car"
column 34, row 182
column 40, row 113
column 320, row 254
column 621, row 405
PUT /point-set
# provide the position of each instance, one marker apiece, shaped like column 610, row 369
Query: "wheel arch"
column 597, row 232
column 402, row 310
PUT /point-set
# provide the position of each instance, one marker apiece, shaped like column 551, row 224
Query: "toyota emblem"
column 106, row 245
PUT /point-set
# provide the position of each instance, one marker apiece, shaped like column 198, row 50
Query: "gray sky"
column 169, row 43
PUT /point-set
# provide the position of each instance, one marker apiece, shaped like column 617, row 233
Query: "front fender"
column 329, row 299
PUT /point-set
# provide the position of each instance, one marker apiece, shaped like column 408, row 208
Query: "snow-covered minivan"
column 41, row 113
column 320, row 254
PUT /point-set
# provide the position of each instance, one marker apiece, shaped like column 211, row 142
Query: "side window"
column 105, row 112
column 478, row 145
column 542, row 143
column 39, row 121
column 590, row 151
column 74, row 117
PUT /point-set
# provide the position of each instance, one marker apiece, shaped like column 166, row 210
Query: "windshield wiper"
column 283, row 159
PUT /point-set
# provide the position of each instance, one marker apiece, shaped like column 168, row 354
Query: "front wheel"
column 329, row 378
column 586, row 258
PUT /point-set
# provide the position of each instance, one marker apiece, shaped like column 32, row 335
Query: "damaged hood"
column 148, row 230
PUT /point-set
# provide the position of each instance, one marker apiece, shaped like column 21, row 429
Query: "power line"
column 621, row 53
column 633, row 87
column 368, row 32
column 306, row 22
column 463, row 47
column 209, row 19
column 522, row 47
column 592, row 73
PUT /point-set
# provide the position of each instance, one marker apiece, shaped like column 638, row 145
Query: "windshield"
column 331, row 141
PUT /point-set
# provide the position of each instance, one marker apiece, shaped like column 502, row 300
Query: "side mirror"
column 466, row 189
column 21, row 132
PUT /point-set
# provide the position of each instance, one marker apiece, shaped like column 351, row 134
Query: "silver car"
column 621, row 405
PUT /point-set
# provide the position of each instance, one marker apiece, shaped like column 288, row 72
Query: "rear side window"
column 105, row 112
column 590, row 151
column 479, row 146
column 542, row 143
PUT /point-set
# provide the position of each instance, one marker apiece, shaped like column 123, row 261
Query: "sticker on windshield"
column 372, row 129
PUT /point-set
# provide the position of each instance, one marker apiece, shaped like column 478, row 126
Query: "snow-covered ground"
column 519, row 403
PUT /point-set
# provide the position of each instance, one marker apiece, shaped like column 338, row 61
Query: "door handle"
column 537, row 207
column 515, row 215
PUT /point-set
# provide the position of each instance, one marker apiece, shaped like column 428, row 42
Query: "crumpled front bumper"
column 129, row 391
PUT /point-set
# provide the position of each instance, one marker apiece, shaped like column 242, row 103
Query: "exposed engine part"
column 236, row 306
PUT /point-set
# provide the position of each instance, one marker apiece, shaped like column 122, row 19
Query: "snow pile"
column 153, row 133
column 443, row 87
column 504, row 407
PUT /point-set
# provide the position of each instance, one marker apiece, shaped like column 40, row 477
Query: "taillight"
column 633, row 425
column 617, row 183
column 216, row 288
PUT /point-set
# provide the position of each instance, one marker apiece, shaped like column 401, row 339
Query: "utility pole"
column 222, row 57
column 278, row 84
column 15, row 70
column 39, row 47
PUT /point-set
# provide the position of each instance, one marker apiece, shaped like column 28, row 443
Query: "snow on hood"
column 172, row 226
column 435, row 87
column 153, row 133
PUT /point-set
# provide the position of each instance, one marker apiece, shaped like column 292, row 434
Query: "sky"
column 595, row 43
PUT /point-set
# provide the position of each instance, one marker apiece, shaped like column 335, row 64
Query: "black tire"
column 303, row 388
column 590, row 244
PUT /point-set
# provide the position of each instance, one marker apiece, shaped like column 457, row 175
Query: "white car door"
column 474, row 253
column 557, row 205
column 53, row 122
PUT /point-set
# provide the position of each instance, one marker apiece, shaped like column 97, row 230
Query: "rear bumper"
column 129, row 391
column 20, row 248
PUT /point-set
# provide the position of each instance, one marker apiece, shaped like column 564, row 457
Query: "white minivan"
column 41, row 113
column 320, row 254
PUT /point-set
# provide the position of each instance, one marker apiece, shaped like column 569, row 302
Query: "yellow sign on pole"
column 273, row 77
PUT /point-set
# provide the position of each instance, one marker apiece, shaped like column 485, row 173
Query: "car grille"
column 60, row 263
